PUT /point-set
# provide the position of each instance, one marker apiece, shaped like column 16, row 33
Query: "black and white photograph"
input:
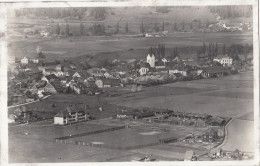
column 130, row 83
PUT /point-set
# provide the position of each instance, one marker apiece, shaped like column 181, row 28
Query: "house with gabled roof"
column 159, row 65
column 180, row 70
column 71, row 114
column 144, row 68
column 107, row 82
column 213, row 71
column 49, row 88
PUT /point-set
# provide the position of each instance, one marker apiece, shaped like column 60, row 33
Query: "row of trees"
column 207, row 52
column 211, row 51
column 98, row 13
column 158, row 51
column 232, row 11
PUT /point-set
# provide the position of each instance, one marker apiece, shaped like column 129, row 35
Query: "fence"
column 83, row 143
column 89, row 133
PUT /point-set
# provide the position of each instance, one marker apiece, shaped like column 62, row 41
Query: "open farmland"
column 105, row 47
column 228, row 96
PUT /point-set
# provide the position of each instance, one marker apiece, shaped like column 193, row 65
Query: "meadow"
column 109, row 47
column 228, row 96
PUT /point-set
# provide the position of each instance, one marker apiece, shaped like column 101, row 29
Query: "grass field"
column 220, row 97
column 227, row 96
column 109, row 47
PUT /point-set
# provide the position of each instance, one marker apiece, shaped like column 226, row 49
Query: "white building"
column 44, row 34
column 175, row 71
column 151, row 60
column 144, row 68
column 24, row 60
column 35, row 61
column 11, row 60
column 225, row 61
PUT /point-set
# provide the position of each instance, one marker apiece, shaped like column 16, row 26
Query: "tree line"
column 212, row 50
column 98, row 13
column 232, row 11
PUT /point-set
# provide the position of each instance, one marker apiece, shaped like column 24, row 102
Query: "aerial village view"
column 123, row 84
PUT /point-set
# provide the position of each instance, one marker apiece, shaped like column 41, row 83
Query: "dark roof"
column 21, row 77
column 170, row 64
column 214, row 69
column 191, row 63
column 50, row 69
column 159, row 63
column 145, row 65
column 49, row 64
column 51, row 76
column 110, row 81
column 69, row 109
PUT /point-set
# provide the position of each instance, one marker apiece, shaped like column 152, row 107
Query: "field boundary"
column 89, row 133
column 83, row 143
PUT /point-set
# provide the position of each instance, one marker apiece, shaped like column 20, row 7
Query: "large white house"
column 144, row 68
column 225, row 61
column 151, row 60
column 70, row 115
column 24, row 60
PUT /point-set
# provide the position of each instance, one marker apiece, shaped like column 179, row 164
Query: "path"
column 28, row 102
column 226, row 129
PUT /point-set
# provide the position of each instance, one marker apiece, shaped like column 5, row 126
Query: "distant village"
column 33, row 79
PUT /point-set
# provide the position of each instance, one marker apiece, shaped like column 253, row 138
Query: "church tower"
column 151, row 60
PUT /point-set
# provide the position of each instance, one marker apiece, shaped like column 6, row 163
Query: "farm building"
column 24, row 60
column 179, row 70
column 225, row 60
column 214, row 71
column 159, row 65
column 71, row 114
column 107, row 82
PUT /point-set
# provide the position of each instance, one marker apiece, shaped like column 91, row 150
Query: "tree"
column 175, row 27
column 38, row 49
column 117, row 28
column 163, row 26
column 224, row 49
column 246, row 51
column 126, row 27
column 67, row 31
column 58, row 29
column 156, row 28
column 199, row 24
column 175, row 53
column 81, row 27
column 142, row 27
column 207, row 23
column 204, row 49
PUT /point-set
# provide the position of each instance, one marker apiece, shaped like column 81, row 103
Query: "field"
column 85, row 48
column 228, row 96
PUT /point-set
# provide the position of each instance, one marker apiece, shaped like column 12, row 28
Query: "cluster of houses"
column 172, row 117
column 188, row 67
column 22, row 115
column 211, row 135
column 31, row 79
column 218, row 153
